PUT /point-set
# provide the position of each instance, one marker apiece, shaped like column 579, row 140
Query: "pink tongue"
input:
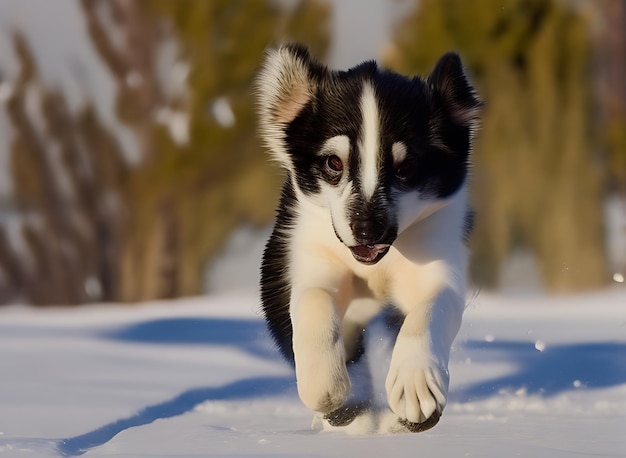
column 368, row 252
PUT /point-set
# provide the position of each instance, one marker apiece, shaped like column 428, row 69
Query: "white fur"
column 338, row 206
column 283, row 88
column 417, row 382
column 317, row 281
column 339, row 145
column 369, row 143
column 422, row 274
column 398, row 151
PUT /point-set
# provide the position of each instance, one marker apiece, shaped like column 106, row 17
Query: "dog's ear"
column 449, row 80
column 284, row 86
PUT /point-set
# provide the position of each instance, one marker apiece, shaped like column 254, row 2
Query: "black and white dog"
column 373, row 213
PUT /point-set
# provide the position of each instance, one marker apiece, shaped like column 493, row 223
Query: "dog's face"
column 375, row 148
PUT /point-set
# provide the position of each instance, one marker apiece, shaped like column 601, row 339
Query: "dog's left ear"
column 449, row 80
column 284, row 86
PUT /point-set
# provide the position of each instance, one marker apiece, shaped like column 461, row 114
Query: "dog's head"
column 376, row 148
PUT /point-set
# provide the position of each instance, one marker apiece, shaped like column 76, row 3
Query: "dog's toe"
column 345, row 414
column 423, row 426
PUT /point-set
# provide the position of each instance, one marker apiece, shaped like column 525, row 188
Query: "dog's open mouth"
column 369, row 254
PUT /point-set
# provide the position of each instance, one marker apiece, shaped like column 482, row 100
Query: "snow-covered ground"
column 531, row 376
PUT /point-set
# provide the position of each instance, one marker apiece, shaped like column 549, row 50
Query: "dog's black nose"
column 368, row 231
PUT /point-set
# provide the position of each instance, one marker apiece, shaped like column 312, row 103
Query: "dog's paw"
column 346, row 414
column 363, row 423
column 417, row 385
column 389, row 423
column 322, row 377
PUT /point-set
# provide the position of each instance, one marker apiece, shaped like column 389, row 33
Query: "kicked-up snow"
column 530, row 376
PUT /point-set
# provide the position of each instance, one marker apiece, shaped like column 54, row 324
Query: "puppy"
column 373, row 212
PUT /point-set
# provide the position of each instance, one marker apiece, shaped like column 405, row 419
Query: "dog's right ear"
column 284, row 86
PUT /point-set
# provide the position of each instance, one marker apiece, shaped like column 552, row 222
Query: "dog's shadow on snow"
column 246, row 335
column 242, row 389
column 545, row 372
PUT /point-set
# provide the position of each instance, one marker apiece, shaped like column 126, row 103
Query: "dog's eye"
column 334, row 164
column 404, row 172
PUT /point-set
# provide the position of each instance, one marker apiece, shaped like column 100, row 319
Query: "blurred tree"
column 192, row 187
column 67, row 173
column 611, row 49
column 108, row 223
column 188, row 195
column 538, row 177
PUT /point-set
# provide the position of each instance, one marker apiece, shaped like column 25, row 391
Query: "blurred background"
column 130, row 169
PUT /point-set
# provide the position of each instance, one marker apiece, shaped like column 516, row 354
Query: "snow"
column 237, row 265
column 532, row 376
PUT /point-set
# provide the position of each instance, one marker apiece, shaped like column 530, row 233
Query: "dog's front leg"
column 417, row 382
column 319, row 351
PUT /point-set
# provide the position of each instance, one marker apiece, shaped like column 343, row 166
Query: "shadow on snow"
column 250, row 388
column 248, row 335
column 556, row 369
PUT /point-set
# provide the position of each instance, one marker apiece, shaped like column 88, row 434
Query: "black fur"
column 275, row 289
column 468, row 228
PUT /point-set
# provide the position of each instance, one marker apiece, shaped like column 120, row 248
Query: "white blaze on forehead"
column 369, row 143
